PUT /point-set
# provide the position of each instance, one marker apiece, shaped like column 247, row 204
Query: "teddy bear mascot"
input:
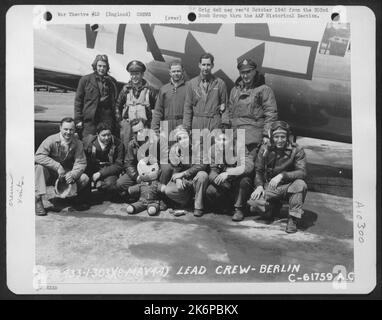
column 148, row 189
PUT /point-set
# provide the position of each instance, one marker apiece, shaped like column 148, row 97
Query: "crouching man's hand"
column 258, row 193
column 69, row 178
column 180, row 184
column 96, row 176
column 177, row 176
column 221, row 178
column 61, row 171
column 275, row 181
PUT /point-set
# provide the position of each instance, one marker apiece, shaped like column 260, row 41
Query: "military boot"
column 162, row 205
column 198, row 213
column 291, row 225
column 238, row 215
column 39, row 207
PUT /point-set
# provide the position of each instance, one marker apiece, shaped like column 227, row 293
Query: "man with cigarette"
column 280, row 173
column 60, row 156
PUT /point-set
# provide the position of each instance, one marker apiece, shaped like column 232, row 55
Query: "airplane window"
column 335, row 40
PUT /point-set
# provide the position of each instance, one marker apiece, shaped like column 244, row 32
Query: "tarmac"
column 104, row 237
column 105, row 245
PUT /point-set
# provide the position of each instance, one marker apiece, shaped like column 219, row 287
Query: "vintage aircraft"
column 308, row 68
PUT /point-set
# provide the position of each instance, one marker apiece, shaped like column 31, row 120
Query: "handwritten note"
column 10, row 197
column 16, row 191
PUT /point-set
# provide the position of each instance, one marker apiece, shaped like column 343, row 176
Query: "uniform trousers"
column 294, row 193
column 196, row 186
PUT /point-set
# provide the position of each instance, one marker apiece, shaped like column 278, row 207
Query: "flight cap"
column 136, row 66
column 246, row 64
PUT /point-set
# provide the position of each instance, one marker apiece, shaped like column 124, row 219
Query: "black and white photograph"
column 216, row 149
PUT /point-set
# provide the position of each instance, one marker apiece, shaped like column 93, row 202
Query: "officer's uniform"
column 253, row 108
column 134, row 102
